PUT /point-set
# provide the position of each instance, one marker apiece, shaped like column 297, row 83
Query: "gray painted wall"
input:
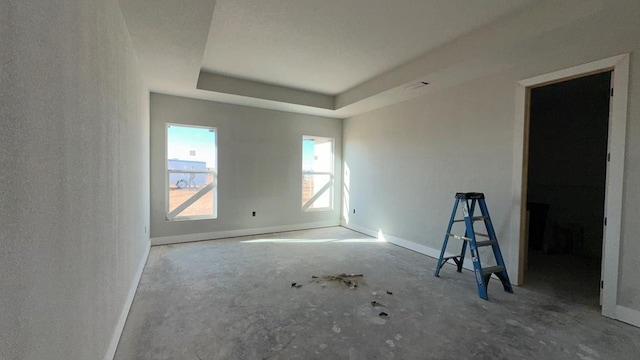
column 407, row 160
column 260, row 168
column 74, row 180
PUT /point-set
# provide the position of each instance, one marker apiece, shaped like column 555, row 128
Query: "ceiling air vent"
column 416, row 85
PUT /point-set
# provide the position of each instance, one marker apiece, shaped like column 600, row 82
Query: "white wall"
column 74, row 182
column 260, row 169
column 406, row 161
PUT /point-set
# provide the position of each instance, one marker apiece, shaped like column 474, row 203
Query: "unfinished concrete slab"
column 234, row 299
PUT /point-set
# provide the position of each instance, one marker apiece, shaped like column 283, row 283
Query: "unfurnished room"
column 304, row 179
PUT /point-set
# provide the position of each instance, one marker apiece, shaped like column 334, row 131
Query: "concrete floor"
column 564, row 276
column 233, row 299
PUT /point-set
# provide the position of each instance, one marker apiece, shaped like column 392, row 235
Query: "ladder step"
column 456, row 259
column 470, row 195
column 485, row 243
column 475, row 218
column 492, row 270
column 459, row 237
column 481, row 234
column 479, row 243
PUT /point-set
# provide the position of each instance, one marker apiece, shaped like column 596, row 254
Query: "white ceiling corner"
column 169, row 37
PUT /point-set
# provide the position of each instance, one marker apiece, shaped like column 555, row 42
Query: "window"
column 191, row 172
column 317, row 173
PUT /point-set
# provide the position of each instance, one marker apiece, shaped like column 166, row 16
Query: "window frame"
column 307, row 207
column 167, row 176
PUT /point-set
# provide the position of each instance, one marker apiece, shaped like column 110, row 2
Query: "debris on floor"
column 383, row 314
column 375, row 304
column 389, row 292
column 296, row 285
column 347, row 279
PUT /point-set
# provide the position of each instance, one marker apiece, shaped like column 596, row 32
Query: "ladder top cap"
column 470, row 195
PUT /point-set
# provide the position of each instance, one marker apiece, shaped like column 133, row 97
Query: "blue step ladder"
column 468, row 201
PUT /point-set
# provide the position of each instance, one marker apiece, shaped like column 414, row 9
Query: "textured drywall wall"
column 259, row 166
column 629, row 286
column 406, row 161
column 73, row 185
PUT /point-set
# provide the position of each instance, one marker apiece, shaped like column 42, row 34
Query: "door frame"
column 615, row 168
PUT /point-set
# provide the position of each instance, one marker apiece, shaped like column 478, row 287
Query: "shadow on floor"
column 568, row 277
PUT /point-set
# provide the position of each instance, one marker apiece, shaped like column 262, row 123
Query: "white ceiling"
column 335, row 58
column 330, row 46
column 169, row 37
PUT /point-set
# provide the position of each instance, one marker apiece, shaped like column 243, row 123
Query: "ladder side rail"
column 503, row 275
column 469, row 232
column 446, row 236
column 477, row 264
column 463, row 252
column 491, row 232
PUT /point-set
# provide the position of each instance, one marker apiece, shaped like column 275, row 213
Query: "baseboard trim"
column 115, row 338
column 177, row 239
column 407, row 244
column 627, row 315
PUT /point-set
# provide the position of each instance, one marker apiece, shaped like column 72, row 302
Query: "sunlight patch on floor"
column 284, row 241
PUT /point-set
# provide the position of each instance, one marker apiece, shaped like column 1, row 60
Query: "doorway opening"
column 566, row 187
column 611, row 256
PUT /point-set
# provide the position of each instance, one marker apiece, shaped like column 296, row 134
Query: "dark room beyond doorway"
column 568, row 132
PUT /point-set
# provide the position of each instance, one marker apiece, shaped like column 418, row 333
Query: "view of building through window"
column 317, row 173
column 191, row 172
